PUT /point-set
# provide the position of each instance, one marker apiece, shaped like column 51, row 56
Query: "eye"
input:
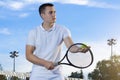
column 51, row 12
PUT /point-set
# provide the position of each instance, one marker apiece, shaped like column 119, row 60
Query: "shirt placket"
column 47, row 37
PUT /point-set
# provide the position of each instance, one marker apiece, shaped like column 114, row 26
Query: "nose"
column 54, row 14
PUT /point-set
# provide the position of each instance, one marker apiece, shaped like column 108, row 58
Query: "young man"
column 43, row 46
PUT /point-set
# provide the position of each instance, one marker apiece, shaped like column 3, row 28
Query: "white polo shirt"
column 48, row 43
column 48, row 47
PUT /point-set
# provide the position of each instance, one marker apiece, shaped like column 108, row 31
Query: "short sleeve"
column 66, row 33
column 31, row 38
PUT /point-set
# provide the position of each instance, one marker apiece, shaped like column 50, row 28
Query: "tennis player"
column 44, row 43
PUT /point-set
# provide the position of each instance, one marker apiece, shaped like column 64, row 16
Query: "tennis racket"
column 77, row 59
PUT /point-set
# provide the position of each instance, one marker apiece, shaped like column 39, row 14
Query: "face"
column 50, row 15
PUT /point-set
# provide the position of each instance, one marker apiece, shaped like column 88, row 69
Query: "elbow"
column 28, row 57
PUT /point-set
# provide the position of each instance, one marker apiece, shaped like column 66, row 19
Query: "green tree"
column 77, row 75
column 14, row 78
column 106, row 70
column 3, row 77
column 81, row 74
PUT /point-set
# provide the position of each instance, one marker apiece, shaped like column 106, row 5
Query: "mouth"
column 54, row 18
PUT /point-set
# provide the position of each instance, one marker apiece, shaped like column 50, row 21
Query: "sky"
column 92, row 22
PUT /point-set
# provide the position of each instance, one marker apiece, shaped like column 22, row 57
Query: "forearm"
column 35, row 60
column 39, row 61
column 32, row 58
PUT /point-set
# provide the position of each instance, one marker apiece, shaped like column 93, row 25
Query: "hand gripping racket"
column 77, row 59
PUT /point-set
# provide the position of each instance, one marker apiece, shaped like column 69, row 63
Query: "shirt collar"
column 51, row 29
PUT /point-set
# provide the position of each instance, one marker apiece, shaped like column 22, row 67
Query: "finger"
column 89, row 46
column 51, row 67
column 85, row 50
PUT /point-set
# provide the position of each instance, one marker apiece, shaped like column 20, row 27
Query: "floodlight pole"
column 111, row 42
column 13, row 55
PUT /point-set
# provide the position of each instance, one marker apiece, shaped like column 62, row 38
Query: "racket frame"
column 70, row 63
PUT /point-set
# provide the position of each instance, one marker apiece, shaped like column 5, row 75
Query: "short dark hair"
column 43, row 6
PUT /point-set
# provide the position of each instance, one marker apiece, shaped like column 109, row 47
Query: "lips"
column 54, row 18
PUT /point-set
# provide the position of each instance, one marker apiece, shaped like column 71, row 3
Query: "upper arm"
column 29, row 51
column 30, row 45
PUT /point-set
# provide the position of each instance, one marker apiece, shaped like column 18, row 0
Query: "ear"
column 42, row 15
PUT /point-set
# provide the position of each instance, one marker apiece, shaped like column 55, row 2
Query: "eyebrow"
column 52, row 12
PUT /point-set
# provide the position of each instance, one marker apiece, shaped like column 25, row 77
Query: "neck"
column 47, row 26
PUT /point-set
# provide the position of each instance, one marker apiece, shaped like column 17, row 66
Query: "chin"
column 53, row 21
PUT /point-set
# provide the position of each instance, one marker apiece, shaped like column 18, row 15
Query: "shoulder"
column 63, row 30
column 33, row 30
column 61, row 27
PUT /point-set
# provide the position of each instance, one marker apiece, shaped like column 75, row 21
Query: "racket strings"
column 80, row 59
